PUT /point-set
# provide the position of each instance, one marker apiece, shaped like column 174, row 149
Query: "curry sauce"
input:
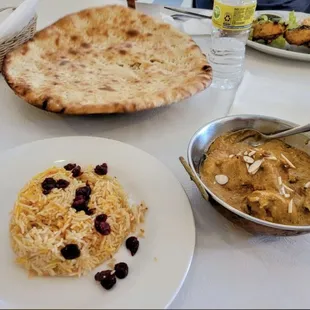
column 270, row 182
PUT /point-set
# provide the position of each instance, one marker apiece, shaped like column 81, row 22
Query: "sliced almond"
column 279, row 180
column 288, row 188
column 288, row 161
column 221, row 179
column 245, row 153
column 254, row 172
column 247, row 166
column 248, row 159
column 290, row 206
column 252, row 153
column 287, row 195
column 255, row 166
column 307, row 185
column 282, row 191
column 271, row 158
column 231, row 155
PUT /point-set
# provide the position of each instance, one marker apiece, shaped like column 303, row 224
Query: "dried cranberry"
column 101, row 217
column 62, row 183
column 80, row 203
column 83, row 191
column 76, row 171
column 121, row 270
column 48, row 184
column 46, row 191
column 70, row 251
column 101, row 275
column 132, row 244
column 101, row 225
column 103, row 228
column 69, row 167
column 108, row 282
column 101, row 169
column 90, row 211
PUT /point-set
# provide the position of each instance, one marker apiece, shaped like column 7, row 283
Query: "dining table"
column 230, row 267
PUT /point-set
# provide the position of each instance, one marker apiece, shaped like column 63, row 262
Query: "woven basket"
column 10, row 43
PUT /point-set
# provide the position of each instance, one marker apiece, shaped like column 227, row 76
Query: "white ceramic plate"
column 291, row 52
column 156, row 272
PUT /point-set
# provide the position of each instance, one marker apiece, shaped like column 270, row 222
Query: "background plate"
column 294, row 52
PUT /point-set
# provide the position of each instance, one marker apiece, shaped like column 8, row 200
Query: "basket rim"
column 30, row 24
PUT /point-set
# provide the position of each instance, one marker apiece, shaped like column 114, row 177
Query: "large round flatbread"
column 106, row 60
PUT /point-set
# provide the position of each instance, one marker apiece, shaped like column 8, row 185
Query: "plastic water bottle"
column 231, row 24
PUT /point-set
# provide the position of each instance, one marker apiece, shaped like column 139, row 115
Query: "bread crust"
column 110, row 59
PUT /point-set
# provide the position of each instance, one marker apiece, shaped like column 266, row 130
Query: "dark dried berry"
column 100, row 223
column 62, row 183
column 101, row 275
column 108, row 282
column 76, row 172
column 48, row 184
column 132, row 244
column 101, row 218
column 83, row 191
column 102, row 227
column 70, row 251
column 69, row 167
column 121, row 270
column 90, row 211
column 80, row 203
column 101, row 169
column 46, row 191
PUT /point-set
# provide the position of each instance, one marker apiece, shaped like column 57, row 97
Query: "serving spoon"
column 262, row 138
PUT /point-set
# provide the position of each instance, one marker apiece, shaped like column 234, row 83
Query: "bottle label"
column 234, row 18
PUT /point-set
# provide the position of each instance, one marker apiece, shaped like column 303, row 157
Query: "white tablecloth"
column 276, row 95
column 230, row 269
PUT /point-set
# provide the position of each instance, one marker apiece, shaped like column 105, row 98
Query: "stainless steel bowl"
column 201, row 141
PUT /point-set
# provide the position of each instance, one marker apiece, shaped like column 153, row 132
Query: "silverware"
column 182, row 17
column 204, row 137
column 280, row 134
column 188, row 13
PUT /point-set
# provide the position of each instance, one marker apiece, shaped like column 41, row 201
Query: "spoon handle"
column 290, row 132
column 188, row 12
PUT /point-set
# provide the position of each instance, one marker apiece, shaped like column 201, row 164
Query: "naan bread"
column 106, row 60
